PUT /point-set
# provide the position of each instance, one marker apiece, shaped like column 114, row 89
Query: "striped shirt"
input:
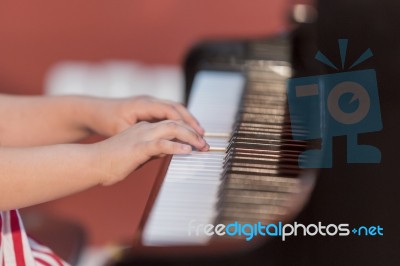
column 16, row 248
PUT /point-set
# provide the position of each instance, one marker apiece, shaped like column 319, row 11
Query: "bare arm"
column 42, row 120
column 34, row 175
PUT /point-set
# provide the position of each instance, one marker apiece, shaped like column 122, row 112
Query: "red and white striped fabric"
column 16, row 248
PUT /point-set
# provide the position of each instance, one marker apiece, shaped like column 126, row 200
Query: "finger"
column 159, row 110
column 179, row 130
column 167, row 111
column 162, row 147
column 189, row 118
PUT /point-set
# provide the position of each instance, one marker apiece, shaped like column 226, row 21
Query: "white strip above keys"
column 189, row 192
column 215, row 98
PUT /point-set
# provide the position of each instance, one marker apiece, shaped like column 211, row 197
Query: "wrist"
column 99, row 162
column 88, row 113
column 107, row 162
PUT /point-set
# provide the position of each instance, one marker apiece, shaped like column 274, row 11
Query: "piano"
column 251, row 172
column 237, row 91
column 258, row 162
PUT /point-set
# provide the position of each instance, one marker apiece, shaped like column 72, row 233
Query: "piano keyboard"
column 191, row 185
column 250, row 173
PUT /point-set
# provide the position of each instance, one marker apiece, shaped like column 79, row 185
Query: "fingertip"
column 205, row 148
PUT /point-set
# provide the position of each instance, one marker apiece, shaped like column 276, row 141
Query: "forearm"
column 33, row 175
column 41, row 120
column 30, row 176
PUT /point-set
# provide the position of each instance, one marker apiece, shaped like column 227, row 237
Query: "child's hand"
column 126, row 151
column 111, row 116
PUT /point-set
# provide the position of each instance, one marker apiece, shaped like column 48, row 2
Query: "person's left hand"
column 111, row 116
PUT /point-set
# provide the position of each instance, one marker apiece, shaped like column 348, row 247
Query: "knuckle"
column 176, row 105
column 162, row 146
column 179, row 106
column 143, row 99
column 141, row 125
column 159, row 144
column 172, row 109
column 171, row 125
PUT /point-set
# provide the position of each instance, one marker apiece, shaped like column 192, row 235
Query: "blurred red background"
column 34, row 35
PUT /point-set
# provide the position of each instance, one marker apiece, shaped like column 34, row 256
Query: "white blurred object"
column 100, row 255
column 115, row 79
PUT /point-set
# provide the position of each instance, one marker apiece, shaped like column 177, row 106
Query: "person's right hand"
column 128, row 150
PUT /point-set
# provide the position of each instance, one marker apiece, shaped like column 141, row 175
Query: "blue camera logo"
column 324, row 106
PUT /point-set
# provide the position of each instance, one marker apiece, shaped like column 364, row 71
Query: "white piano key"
column 191, row 186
